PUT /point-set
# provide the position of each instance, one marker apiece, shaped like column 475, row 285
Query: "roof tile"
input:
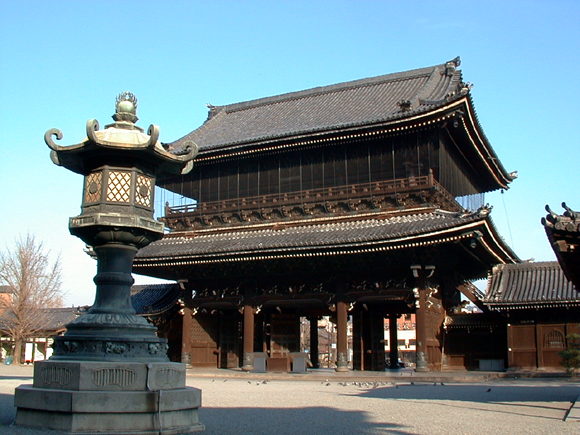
column 529, row 284
column 358, row 102
column 304, row 236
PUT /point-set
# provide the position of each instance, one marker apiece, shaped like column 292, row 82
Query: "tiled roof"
column 563, row 233
column 335, row 236
column 529, row 285
column 54, row 319
column 472, row 320
column 59, row 317
column 361, row 102
column 151, row 299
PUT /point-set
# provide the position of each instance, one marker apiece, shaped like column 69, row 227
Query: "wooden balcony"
column 396, row 193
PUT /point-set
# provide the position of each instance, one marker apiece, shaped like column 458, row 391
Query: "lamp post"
column 109, row 352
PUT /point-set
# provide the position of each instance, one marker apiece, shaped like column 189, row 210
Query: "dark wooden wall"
column 313, row 168
column 537, row 345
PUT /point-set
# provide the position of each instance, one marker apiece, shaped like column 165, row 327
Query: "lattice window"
column 93, row 187
column 554, row 340
column 119, row 186
column 143, row 189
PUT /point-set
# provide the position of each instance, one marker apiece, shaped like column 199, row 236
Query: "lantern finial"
column 126, row 107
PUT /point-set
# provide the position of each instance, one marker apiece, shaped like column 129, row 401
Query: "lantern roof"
column 120, row 143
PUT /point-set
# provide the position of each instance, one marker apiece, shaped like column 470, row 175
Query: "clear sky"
column 63, row 62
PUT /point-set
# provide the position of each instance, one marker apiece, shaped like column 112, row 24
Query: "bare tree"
column 33, row 284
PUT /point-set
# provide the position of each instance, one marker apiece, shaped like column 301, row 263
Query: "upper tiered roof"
column 380, row 105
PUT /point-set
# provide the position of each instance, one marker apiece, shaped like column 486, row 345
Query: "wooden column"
column 393, row 342
column 248, row 345
column 357, row 340
column 421, row 330
column 186, row 327
column 341, row 337
column 314, row 342
column 421, row 274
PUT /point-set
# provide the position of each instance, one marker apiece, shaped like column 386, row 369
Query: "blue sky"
column 63, row 62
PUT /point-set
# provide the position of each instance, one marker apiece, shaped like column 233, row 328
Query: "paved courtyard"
column 289, row 405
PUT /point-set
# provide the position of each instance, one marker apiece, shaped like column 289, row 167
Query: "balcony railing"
column 368, row 191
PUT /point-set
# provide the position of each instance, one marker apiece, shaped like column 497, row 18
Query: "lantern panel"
column 119, row 186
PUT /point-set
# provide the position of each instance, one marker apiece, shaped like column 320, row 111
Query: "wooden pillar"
column 421, row 274
column 341, row 336
column 357, row 340
column 393, row 342
column 248, row 345
column 421, row 330
column 314, row 342
column 186, row 327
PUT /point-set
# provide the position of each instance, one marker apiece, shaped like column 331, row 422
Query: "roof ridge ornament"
column 451, row 66
column 405, row 105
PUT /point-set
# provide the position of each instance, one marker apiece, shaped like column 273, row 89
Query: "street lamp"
column 110, row 354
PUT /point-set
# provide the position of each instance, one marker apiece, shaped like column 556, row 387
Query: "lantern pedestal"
column 113, row 398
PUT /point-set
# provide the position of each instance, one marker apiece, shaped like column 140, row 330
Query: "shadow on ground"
column 7, row 410
column 475, row 393
column 312, row 420
column 530, row 401
column 276, row 421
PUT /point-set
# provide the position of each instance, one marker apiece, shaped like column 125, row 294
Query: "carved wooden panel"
column 552, row 342
column 434, row 322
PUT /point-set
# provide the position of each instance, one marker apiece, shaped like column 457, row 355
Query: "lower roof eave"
column 489, row 240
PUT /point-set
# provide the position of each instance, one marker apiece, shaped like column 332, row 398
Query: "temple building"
column 529, row 311
column 360, row 202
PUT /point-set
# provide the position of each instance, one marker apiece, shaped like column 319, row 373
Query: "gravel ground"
column 284, row 406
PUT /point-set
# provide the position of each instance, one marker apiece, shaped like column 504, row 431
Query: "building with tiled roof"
column 529, row 309
column 563, row 233
column 48, row 323
column 527, row 286
column 360, row 200
column 154, row 299
column 540, row 308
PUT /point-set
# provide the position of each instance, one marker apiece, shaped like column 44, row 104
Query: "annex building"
column 362, row 201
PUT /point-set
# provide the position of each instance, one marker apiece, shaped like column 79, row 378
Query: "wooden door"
column 229, row 342
column 551, row 340
column 522, row 350
column 284, row 335
column 203, row 343
column 368, row 339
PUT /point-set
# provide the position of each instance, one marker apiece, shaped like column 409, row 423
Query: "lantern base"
column 114, row 398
